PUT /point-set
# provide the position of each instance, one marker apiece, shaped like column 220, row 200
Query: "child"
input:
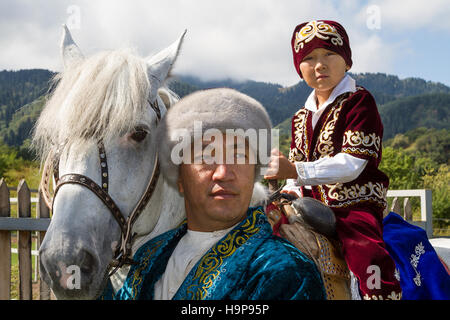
column 335, row 153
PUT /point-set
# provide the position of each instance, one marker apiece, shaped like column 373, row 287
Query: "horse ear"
column 160, row 65
column 69, row 50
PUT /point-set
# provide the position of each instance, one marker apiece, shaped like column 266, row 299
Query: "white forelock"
column 99, row 97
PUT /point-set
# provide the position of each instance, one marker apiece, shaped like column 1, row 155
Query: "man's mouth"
column 223, row 194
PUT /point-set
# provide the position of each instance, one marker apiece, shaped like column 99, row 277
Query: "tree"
column 400, row 168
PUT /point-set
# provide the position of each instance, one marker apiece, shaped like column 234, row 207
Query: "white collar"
column 347, row 84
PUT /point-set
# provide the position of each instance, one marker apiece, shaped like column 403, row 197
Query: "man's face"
column 217, row 193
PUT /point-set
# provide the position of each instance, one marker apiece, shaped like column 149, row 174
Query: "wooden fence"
column 23, row 225
column 404, row 209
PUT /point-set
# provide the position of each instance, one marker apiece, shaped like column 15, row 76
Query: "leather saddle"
column 311, row 227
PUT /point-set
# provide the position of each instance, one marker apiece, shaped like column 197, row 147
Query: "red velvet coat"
column 351, row 124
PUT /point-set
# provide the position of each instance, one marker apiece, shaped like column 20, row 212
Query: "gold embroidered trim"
column 300, row 132
column 370, row 189
column 349, row 195
column 295, row 155
column 359, row 139
column 317, row 29
column 208, row 268
column 325, row 143
column 137, row 277
column 366, row 152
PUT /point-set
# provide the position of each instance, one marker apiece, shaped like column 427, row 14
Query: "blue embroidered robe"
column 247, row 263
column 422, row 275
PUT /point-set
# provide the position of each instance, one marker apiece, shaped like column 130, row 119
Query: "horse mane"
column 100, row 97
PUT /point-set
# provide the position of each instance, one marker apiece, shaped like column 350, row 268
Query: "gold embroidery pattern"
column 361, row 143
column 346, row 196
column 208, row 269
column 137, row 277
column 393, row 296
column 341, row 193
column 295, row 155
column 366, row 152
column 325, row 143
column 317, row 29
column 325, row 146
column 300, row 133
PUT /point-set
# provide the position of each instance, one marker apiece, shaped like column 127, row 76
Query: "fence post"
column 24, row 243
column 407, row 210
column 427, row 212
column 42, row 212
column 396, row 206
column 5, row 245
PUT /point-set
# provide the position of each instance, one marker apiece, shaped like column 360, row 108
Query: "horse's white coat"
column 103, row 97
column 442, row 247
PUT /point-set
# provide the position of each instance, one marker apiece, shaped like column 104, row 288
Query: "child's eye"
column 307, row 58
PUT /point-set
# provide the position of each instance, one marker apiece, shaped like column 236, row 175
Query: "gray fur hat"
column 220, row 109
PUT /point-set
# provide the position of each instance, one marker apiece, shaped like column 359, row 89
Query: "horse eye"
column 139, row 134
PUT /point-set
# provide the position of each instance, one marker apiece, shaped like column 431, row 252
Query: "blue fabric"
column 247, row 263
column 422, row 275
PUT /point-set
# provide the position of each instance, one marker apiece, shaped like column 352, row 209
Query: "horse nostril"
column 88, row 264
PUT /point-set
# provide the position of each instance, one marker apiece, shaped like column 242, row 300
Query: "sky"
column 238, row 39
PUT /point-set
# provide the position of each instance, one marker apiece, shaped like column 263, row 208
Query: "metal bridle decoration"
column 122, row 254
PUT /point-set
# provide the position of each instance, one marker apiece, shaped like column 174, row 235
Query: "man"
column 225, row 249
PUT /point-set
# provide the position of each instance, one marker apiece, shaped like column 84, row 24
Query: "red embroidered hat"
column 325, row 34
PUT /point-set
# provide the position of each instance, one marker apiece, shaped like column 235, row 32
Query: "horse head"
column 97, row 130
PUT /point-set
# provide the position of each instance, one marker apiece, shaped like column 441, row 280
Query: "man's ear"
column 180, row 185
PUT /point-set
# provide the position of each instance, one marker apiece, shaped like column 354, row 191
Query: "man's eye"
column 139, row 134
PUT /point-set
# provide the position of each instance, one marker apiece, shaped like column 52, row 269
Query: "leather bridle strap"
column 74, row 178
column 123, row 252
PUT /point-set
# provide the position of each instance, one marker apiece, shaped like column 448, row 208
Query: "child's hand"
column 280, row 167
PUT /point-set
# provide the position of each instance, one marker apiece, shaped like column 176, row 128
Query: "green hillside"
column 404, row 104
column 404, row 114
column 17, row 88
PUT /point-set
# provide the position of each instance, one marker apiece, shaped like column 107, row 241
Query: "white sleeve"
column 340, row 168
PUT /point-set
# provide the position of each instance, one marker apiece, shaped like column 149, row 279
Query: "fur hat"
column 325, row 34
column 221, row 109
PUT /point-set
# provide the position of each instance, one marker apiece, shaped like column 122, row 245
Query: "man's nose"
column 223, row 172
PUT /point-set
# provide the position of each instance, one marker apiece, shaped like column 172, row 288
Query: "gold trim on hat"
column 318, row 29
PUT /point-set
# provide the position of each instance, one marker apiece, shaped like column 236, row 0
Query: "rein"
column 122, row 255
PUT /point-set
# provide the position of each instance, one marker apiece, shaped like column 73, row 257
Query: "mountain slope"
column 404, row 104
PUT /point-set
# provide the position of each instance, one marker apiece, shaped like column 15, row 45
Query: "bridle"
column 122, row 255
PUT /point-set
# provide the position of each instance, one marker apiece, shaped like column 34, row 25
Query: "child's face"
column 323, row 69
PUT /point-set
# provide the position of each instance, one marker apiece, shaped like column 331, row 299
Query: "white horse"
column 108, row 98
column 117, row 98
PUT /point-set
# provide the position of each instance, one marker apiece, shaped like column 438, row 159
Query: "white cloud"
column 415, row 15
column 240, row 39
